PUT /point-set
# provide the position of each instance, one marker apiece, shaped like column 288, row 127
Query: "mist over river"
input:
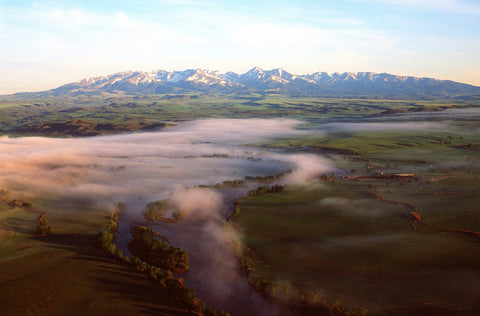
column 149, row 166
column 138, row 168
column 172, row 163
column 215, row 272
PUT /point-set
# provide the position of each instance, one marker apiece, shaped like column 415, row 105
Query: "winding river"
column 215, row 271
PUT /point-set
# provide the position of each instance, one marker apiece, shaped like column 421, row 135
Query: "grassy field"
column 352, row 238
column 148, row 109
column 67, row 273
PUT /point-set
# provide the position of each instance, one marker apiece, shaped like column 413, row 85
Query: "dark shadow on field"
column 19, row 225
column 83, row 246
column 115, row 276
column 427, row 309
column 151, row 299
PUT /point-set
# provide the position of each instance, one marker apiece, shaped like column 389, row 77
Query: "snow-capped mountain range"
column 275, row 80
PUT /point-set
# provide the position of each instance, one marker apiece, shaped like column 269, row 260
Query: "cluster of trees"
column 304, row 302
column 158, row 211
column 225, row 184
column 43, row 229
column 165, row 277
column 325, row 177
column 266, row 189
column 105, row 241
column 105, row 238
column 114, row 220
column 176, row 286
column 240, row 183
column 154, row 208
column 232, row 183
column 156, row 250
column 266, row 179
column 14, row 202
column 236, row 210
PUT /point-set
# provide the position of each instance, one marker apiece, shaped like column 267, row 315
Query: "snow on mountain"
column 255, row 75
column 206, row 77
column 230, row 77
column 258, row 79
column 177, row 76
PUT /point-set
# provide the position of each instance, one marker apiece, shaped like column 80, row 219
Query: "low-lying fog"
column 147, row 164
column 192, row 153
column 142, row 167
column 437, row 121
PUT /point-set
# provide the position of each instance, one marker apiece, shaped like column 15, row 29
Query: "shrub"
column 112, row 249
column 119, row 254
column 42, row 226
column 136, row 261
column 266, row 189
column 105, row 239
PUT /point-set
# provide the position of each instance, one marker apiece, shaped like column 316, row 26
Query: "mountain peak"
column 257, row 69
column 279, row 80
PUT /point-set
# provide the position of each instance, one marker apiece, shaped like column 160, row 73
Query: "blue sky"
column 45, row 44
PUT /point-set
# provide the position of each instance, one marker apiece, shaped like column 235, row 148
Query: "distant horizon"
column 47, row 43
column 223, row 72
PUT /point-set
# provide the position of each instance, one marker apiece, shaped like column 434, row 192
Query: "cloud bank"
column 150, row 165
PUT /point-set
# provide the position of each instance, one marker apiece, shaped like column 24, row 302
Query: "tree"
column 105, row 239
column 42, row 226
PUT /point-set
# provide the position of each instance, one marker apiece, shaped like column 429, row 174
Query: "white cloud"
column 78, row 41
column 92, row 43
column 123, row 21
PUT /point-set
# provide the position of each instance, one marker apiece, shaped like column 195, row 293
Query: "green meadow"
column 353, row 237
column 17, row 112
column 393, row 228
